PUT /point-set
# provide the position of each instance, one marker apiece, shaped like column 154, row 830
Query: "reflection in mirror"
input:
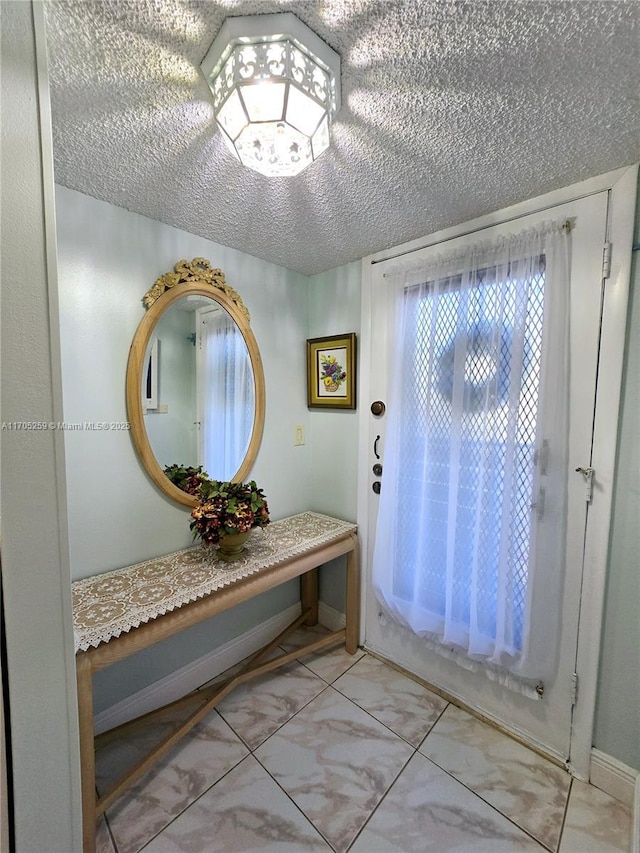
column 210, row 404
column 150, row 378
column 205, row 406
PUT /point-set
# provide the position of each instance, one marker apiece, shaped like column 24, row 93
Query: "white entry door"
column 546, row 721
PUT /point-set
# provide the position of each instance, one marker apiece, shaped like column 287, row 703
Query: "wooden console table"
column 121, row 612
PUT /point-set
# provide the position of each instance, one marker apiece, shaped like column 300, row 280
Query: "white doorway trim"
column 36, row 579
column 622, row 187
column 605, row 439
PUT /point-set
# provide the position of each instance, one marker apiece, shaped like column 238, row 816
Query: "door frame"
column 621, row 185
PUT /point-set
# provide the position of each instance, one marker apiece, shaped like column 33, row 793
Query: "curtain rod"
column 477, row 230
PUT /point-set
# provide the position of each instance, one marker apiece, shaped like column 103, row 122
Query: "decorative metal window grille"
column 482, row 430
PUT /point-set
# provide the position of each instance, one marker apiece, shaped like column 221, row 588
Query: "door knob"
column 378, row 408
column 376, row 486
column 377, row 469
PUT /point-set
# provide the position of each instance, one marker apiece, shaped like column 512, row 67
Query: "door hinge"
column 588, row 474
column 606, row 260
column 574, row 688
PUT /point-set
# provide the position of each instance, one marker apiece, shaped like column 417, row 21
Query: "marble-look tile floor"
column 344, row 753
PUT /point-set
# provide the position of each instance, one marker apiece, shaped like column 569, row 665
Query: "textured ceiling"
column 449, row 110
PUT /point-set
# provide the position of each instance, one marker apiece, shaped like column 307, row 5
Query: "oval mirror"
column 195, row 383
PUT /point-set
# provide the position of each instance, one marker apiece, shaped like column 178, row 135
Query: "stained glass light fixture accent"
column 276, row 89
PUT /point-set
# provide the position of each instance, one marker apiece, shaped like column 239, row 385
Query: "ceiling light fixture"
column 276, row 89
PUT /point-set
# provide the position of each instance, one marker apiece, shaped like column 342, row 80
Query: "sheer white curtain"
column 227, row 395
column 471, row 524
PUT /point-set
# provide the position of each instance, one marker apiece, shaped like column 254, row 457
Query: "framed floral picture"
column 331, row 372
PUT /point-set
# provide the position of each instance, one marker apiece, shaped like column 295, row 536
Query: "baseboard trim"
column 331, row 618
column 196, row 673
column 613, row 777
column 209, row 666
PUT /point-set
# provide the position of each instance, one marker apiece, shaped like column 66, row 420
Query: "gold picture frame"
column 331, row 372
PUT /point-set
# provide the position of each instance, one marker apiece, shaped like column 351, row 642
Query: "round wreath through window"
column 487, row 367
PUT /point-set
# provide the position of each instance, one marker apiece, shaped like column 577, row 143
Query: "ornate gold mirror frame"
column 195, row 277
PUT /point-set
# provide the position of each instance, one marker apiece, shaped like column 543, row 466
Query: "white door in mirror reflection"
column 226, row 397
column 150, row 378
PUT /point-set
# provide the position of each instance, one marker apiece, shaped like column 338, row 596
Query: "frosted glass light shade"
column 275, row 88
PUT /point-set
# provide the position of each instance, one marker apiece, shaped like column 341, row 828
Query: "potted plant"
column 186, row 477
column 226, row 513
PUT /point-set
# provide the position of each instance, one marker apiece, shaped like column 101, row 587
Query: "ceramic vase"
column 231, row 546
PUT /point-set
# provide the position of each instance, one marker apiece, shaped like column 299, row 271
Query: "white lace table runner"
column 113, row 603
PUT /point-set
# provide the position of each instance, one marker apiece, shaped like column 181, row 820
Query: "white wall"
column 617, row 723
column 108, row 258
column 35, row 565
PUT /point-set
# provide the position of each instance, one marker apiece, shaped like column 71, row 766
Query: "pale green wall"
column 108, row 258
column 334, row 308
column 617, row 722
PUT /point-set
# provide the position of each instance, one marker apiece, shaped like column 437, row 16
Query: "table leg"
column 309, row 596
column 87, row 751
column 352, row 638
